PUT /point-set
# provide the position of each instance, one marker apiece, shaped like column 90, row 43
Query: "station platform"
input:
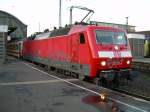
column 25, row 88
column 142, row 60
column 141, row 64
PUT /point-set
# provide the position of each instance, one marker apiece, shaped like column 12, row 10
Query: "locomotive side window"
column 82, row 38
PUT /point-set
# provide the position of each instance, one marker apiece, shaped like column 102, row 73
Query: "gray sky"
column 45, row 12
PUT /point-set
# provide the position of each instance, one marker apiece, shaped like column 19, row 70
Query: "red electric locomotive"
column 87, row 50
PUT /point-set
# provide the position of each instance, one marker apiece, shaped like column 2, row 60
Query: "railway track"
column 132, row 94
column 126, row 92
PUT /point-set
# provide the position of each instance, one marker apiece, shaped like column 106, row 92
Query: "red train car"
column 88, row 50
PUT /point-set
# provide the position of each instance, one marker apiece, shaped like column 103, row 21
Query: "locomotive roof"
column 76, row 28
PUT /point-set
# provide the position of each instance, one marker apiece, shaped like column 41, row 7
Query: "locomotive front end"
column 113, row 59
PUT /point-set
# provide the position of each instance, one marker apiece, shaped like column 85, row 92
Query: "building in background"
column 147, row 43
column 146, row 33
column 3, row 43
column 137, row 44
column 17, row 30
column 12, row 29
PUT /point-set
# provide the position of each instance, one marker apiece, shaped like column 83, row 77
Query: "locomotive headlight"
column 103, row 63
column 128, row 62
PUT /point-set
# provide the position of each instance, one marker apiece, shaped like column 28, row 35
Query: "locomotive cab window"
column 82, row 38
column 110, row 37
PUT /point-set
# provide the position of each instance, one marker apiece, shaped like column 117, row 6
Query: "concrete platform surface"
column 142, row 60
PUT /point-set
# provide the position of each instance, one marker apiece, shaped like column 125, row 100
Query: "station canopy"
column 17, row 30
